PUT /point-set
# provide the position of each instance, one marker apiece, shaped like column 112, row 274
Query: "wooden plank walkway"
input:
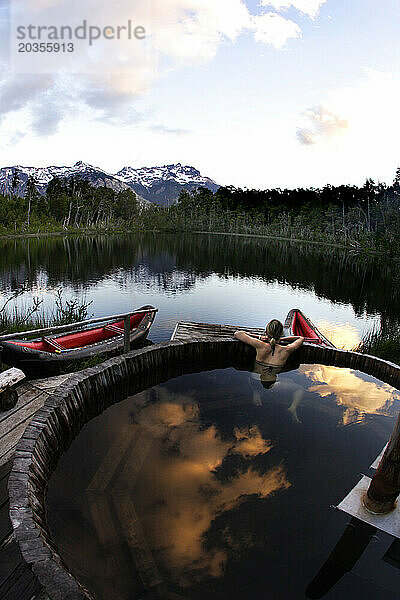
column 185, row 331
column 16, row 579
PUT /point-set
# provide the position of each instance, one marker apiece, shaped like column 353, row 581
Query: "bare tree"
column 30, row 194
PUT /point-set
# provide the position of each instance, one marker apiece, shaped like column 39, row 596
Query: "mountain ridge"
column 160, row 185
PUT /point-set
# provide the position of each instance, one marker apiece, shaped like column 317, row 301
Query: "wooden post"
column 127, row 334
column 385, row 485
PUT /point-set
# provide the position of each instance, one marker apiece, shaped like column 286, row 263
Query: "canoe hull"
column 297, row 323
column 32, row 360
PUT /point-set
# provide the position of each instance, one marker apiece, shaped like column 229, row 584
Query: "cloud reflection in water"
column 343, row 335
column 358, row 396
column 186, row 493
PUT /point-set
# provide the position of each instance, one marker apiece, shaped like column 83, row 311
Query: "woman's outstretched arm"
column 291, row 338
column 246, row 338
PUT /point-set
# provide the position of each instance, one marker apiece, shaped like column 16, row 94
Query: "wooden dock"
column 16, row 579
column 185, row 331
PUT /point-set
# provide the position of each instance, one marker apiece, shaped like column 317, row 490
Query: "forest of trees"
column 67, row 204
column 367, row 216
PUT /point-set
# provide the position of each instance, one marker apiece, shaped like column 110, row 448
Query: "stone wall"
column 87, row 394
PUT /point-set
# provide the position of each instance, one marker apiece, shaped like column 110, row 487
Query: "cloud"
column 357, row 396
column 273, row 29
column 193, row 30
column 361, row 119
column 17, row 91
column 15, row 138
column 110, row 104
column 109, row 76
column 324, row 126
column 307, row 7
column 250, row 442
column 46, row 123
column 168, row 130
column 344, row 335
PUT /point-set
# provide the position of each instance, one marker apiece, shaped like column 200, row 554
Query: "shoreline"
column 43, row 234
column 295, row 240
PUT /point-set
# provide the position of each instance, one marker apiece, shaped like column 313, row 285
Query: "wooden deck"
column 185, row 331
column 16, row 579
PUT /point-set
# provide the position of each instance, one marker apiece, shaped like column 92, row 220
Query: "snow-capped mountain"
column 161, row 185
column 43, row 175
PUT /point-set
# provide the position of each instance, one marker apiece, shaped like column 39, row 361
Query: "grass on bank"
column 14, row 318
column 383, row 342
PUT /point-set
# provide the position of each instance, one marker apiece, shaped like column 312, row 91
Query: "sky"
column 254, row 93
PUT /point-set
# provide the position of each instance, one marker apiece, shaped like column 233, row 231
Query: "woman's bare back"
column 265, row 354
column 278, row 358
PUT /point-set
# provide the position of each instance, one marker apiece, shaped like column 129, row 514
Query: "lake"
column 220, row 279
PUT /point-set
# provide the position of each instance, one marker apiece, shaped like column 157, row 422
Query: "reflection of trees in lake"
column 173, row 263
column 81, row 262
column 172, row 281
column 330, row 272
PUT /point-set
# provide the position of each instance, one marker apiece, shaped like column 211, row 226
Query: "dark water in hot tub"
column 211, row 487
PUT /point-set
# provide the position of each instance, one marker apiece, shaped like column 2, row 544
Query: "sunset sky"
column 256, row 93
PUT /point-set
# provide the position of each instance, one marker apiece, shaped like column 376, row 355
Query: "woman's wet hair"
column 274, row 331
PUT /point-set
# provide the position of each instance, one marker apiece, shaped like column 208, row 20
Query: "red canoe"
column 297, row 323
column 48, row 353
